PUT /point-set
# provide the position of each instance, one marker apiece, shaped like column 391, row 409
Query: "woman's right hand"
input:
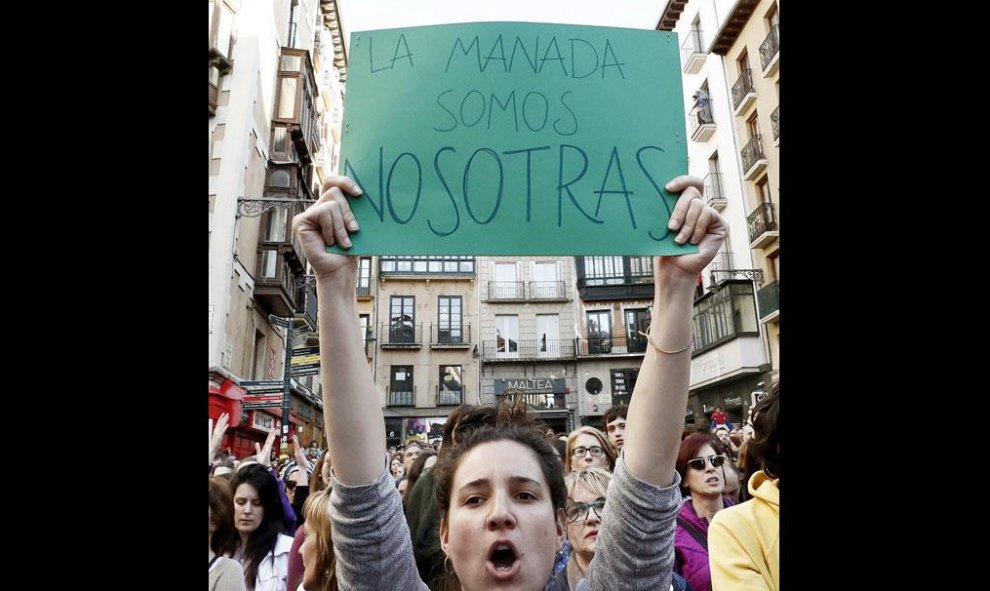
column 328, row 222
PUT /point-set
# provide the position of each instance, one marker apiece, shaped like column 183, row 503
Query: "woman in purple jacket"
column 701, row 466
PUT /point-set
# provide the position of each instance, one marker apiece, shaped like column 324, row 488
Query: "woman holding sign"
column 501, row 490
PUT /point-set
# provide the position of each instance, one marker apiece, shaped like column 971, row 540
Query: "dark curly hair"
column 764, row 446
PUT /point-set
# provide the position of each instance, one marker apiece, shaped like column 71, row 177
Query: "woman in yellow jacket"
column 743, row 541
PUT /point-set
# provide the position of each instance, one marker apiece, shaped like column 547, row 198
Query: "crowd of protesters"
column 641, row 502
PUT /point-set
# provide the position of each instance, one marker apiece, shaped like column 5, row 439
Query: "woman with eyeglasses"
column 588, row 447
column 500, row 492
column 701, row 466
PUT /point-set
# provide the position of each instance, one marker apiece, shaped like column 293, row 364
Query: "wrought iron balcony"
column 547, row 290
column 401, row 335
column 535, row 402
column 451, row 337
column 692, row 55
column 753, row 158
column 775, row 120
column 533, row 349
column 702, row 123
column 762, row 225
column 770, row 51
column 213, row 99
column 609, row 345
column 506, row 291
column 402, row 398
column 743, row 92
column 713, row 190
column 446, row 397
column 277, row 285
column 769, row 301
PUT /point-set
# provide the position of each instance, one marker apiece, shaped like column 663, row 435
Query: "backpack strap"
column 693, row 532
column 214, row 559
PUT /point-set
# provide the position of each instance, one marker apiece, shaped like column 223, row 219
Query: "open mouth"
column 503, row 560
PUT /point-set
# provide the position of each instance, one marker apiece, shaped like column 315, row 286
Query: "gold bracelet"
column 654, row 345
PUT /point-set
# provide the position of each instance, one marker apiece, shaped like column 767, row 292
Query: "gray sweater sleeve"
column 636, row 541
column 371, row 540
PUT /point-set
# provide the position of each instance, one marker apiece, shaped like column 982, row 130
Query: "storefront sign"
column 531, row 385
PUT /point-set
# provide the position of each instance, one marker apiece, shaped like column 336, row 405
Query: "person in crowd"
column 402, row 485
column 225, row 574
column 413, row 449
column 744, row 541
column 501, row 491
column 396, row 466
column 261, row 546
column 317, row 549
column 701, row 464
column 614, row 424
column 318, row 481
column 423, row 463
column 733, row 479
column 588, row 447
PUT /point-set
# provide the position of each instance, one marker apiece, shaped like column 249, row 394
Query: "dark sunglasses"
column 699, row 463
column 290, row 484
column 579, row 511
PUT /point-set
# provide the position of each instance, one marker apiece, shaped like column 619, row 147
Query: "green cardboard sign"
column 514, row 139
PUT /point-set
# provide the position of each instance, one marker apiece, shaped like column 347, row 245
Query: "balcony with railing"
column 611, row 345
column 713, row 191
column 277, row 285
column 692, row 52
column 701, row 122
column 310, row 307
column 295, row 106
column 775, row 120
column 536, row 402
column 721, row 267
column 547, row 291
column 770, row 52
column 445, row 397
column 769, row 300
column 754, row 161
column 214, row 93
column 614, row 278
column 402, row 397
column 401, row 335
column 762, row 223
column 510, row 350
column 364, row 288
column 450, row 337
column 743, row 92
column 506, row 291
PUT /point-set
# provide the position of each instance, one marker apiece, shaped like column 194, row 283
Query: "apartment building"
column 729, row 60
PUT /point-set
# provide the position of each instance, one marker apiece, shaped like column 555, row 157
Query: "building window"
column 428, row 265
column 365, row 330
column 401, row 392
column 617, row 270
column 726, row 314
column 258, row 354
column 402, row 320
column 623, row 384
column 637, row 321
column 364, row 276
column 449, row 319
column 763, row 191
column 506, row 336
column 451, row 389
column 742, row 62
column 599, row 332
column 548, row 335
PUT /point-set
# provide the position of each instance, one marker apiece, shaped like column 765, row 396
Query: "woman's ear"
column 561, row 527
column 444, row 534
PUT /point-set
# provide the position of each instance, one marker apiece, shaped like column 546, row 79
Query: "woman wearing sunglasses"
column 588, row 447
column 701, row 466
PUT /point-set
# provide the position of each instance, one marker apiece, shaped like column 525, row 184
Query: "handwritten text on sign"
column 514, row 138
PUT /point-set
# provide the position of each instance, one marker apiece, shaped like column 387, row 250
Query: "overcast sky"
column 364, row 15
